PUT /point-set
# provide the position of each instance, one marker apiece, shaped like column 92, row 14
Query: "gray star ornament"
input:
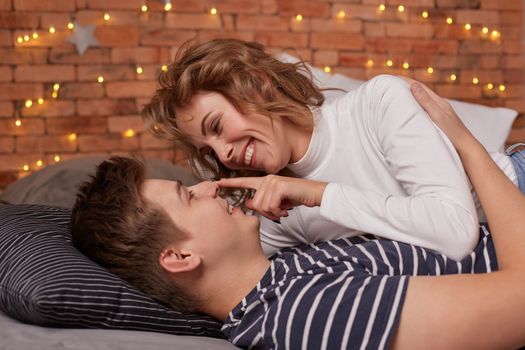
column 83, row 37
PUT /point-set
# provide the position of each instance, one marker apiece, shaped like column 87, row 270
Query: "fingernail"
column 416, row 87
column 277, row 221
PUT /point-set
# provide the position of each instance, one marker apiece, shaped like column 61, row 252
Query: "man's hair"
column 113, row 225
column 252, row 80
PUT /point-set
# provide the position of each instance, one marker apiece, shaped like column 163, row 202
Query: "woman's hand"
column 441, row 114
column 274, row 194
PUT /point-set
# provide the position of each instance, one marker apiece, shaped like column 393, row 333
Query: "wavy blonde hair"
column 252, row 80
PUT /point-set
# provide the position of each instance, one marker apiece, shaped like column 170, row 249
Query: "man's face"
column 213, row 228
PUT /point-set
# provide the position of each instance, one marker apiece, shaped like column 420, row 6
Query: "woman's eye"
column 216, row 126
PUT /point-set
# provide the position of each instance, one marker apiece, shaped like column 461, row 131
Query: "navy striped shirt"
column 340, row 294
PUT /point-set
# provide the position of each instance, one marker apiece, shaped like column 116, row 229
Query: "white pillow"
column 490, row 125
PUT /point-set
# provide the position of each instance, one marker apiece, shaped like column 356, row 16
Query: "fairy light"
column 453, row 77
column 52, row 30
column 468, row 26
column 389, row 63
column 424, row 14
column 70, row 25
column 502, row 88
column 370, row 63
column 18, row 122
column 485, row 30
column 26, row 38
column 341, row 14
column 299, row 18
column 129, row 133
column 54, row 94
column 19, row 40
column 35, row 35
column 40, row 101
column 26, row 167
column 56, row 86
column 100, row 79
column 213, row 11
column 475, row 81
column 430, row 70
column 39, row 163
column 495, row 34
column 28, row 103
column 327, row 69
column 140, row 70
column 382, row 7
column 72, row 136
column 401, row 8
column 168, row 6
column 450, row 20
column 56, row 158
column 164, row 68
column 406, row 65
column 107, row 17
column 144, row 8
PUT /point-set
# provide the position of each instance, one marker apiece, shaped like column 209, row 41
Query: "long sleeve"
column 437, row 210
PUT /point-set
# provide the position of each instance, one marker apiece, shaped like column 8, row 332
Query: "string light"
column 140, row 70
column 424, row 14
column 502, row 88
column 327, row 69
column 213, row 11
column 389, row 63
column 19, row 40
column 382, row 7
column 40, row 101
column 341, row 14
column 26, row 38
column 52, row 30
column 35, row 35
column 18, row 122
column 406, row 65
column 72, row 136
column 453, row 77
column 25, row 167
column 370, row 63
column 475, row 81
column 299, row 18
column 485, row 30
column 450, row 20
column 70, row 25
column 107, row 17
column 495, row 34
column 164, row 68
column 430, row 70
column 56, row 158
column 56, row 86
column 129, row 133
column 100, row 79
column 39, row 163
column 29, row 103
column 167, row 6
column 468, row 26
column 144, row 8
column 401, row 8
column 54, row 94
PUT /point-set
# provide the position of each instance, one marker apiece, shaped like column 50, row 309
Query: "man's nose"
column 206, row 189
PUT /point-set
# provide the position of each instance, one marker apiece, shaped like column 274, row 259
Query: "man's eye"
column 190, row 195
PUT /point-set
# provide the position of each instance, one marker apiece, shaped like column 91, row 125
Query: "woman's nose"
column 205, row 189
column 226, row 152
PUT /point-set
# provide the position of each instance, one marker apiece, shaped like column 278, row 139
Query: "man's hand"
column 274, row 194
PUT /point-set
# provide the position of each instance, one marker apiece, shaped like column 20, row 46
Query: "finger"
column 425, row 100
column 268, row 215
column 240, row 182
column 435, row 97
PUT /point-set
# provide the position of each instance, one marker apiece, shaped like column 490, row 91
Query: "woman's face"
column 239, row 141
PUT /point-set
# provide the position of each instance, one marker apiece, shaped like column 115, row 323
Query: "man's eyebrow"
column 178, row 186
column 203, row 121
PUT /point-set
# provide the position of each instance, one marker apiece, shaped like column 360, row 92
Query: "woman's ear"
column 176, row 261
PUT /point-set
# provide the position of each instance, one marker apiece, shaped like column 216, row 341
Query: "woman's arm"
column 472, row 311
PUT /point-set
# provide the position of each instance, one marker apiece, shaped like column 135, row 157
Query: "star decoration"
column 83, row 37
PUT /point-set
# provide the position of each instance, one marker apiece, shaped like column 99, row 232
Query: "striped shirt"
column 340, row 294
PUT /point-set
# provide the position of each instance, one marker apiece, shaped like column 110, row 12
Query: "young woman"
column 370, row 161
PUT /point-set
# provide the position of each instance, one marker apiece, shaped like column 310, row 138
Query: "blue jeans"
column 517, row 157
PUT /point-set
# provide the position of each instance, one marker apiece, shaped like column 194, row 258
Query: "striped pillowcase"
column 44, row 280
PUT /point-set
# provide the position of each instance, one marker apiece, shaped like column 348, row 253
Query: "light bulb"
column 100, row 79
column 144, row 8
column 382, row 7
column 450, row 20
column 424, row 14
column 475, row 81
column 129, row 133
column 453, row 77
column 341, row 14
column 140, row 70
column 468, row 26
column 299, row 18
column 213, row 11
column 401, row 8
column 52, row 30
column 56, row 158
column 430, row 70
column 107, row 17
column 327, row 69
column 406, row 65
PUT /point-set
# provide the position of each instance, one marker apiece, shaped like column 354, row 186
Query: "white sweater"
column 391, row 172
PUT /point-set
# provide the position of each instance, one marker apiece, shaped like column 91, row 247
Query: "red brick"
column 7, row 144
column 326, row 58
column 106, row 107
column 484, row 76
column 514, row 76
column 84, row 125
column 123, row 123
column 117, row 18
column 108, row 142
column 337, row 41
column 446, row 3
column 30, row 126
column 190, row 5
column 512, row 47
column 336, row 25
column 435, row 46
column 135, row 55
column 117, row 35
column 458, row 91
column 514, row 91
column 193, row 21
column 375, row 29
column 114, row 4
column 367, row 12
column 131, row 89
column 45, row 39
column 513, row 62
column 408, row 3
column 149, row 141
column 23, row 56
column 269, row 7
column 5, row 5
column 518, row 105
column 502, row 5
column 50, row 108
column 81, row 90
column 17, row 161
column 6, row 109
column 388, row 45
column 6, row 73
column 409, row 30
column 20, row 91
column 150, row 72
column 517, row 135
column 479, row 47
column 6, row 39
column 206, row 35
column 44, row 73
column 513, row 32
column 258, row 22
column 68, row 54
column 13, row 20
column 57, row 20
column 42, row 6
column 303, row 7
column 279, row 39
column 109, row 72
column 167, row 37
column 237, row 6
column 493, row 62
column 511, row 17
column 27, row 144
column 482, row 17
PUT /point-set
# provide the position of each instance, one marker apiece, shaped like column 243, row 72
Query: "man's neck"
column 224, row 291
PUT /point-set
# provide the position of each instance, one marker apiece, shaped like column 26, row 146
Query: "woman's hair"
column 113, row 225
column 252, row 80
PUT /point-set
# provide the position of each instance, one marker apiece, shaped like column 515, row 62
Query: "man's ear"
column 175, row 261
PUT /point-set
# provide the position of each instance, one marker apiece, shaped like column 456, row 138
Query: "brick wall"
column 41, row 122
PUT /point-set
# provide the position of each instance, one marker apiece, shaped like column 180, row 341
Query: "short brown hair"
column 248, row 77
column 113, row 225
